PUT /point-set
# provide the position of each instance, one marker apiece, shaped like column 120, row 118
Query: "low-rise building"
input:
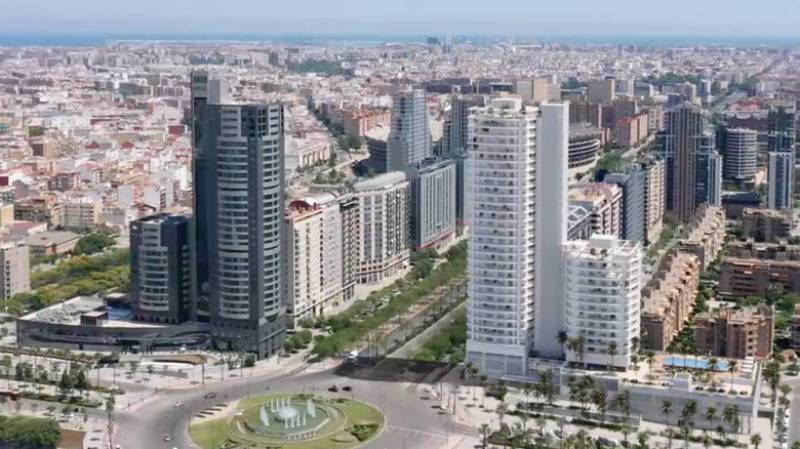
column 669, row 298
column 751, row 269
column 81, row 213
column 766, row 225
column 735, row 333
column 39, row 210
column 52, row 243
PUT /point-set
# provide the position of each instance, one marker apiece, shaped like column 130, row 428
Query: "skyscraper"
column 682, row 140
column 653, row 168
column 515, row 152
column 410, row 137
column 741, row 153
column 239, row 203
column 781, row 145
column 161, row 270
column 708, row 168
column 433, row 198
column 454, row 146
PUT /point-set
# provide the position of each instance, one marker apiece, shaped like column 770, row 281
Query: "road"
column 794, row 430
column 411, row 422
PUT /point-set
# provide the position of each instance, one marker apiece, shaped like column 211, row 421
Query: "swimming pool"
column 693, row 363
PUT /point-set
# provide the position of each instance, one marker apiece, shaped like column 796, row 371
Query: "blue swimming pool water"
column 693, row 363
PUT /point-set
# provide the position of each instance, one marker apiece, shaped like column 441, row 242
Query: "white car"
column 177, row 404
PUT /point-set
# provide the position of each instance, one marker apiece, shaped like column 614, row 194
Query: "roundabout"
column 299, row 421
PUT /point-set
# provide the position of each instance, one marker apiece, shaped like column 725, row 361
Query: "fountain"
column 310, row 409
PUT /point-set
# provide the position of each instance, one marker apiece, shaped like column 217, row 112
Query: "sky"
column 512, row 18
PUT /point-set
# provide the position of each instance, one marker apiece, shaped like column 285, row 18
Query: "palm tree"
column 484, row 431
column 711, row 415
column 771, row 373
column 706, row 441
column 642, row 438
column 713, row 364
column 755, row 440
column 623, row 402
column 563, row 338
column 578, row 346
column 731, row 417
column 612, row 352
column 732, row 369
column 651, row 358
column 501, row 412
column 599, row 397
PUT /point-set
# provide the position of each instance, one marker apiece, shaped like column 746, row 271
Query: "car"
column 211, row 395
column 333, row 389
column 167, row 438
column 625, row 444
column 347, row 388
column 177, row 404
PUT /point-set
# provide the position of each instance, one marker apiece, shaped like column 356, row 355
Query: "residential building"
column 705, row 234
column 780, row 179
column 766, row 225
column 313, row 249
column 515, row 152
column 385, row 206
column 668, row 299
column 456, row 126
column 708, row 168
column 434, row 201
column 795, row 328
column 751, row 269
column 409, row 141
column 654, row 197
column 351, row 244
column 579, row 223
column 602, row 299
column 81, row 213
column 735, row 333
column 161, row 272
column 239, row 198
column 632, row 182
column 15, row 273
column 585, row 142
column 741, row 154
column 682, row 141
column 605, row 202
column 39, row 210
column 601, row 91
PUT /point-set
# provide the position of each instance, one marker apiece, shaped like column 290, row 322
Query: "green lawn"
column 209, row 434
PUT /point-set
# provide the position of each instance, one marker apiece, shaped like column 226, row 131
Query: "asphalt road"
column 411, row 422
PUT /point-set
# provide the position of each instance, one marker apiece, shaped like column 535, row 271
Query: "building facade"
column 161, row 272
column 654, row 197
column 682, row 141
column 632, row 182
column 603, row 296
column 780, row 179
column 604, row 200
column 384, row 203
column 434, row 201
column 766, row 225
column 409, row 141
column 741, row 154
column 735, row 333
column 15, row 273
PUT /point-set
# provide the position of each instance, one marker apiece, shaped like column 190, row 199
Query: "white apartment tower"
column 603, row 295
column 509, row 145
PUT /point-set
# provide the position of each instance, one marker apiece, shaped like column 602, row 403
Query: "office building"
column 632, row 181
column 515, row 152
column 741, row 154
column 603, row 299
column 654, row 197
column 385, row 206
column 780, row 179
column 781, row 126
column 735, row 333
column 454, row 140
column 409, row 141
column 434, row 201
column 15, row 273
column 239, row 198
column 682, row 142
column 766, row 225
column 161, row 271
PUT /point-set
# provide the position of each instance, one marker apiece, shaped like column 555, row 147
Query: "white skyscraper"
column 508, row 147
column 603, row 295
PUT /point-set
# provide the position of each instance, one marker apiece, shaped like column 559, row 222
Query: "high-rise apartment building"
column 238, row 160
column 454, row 146
column 515, row 152
column 434, row 201
column 654, row 197
column 15, row 273
column 682, row 142
column 385, row 206
column 741, row 154
column 604, row 200
column 161, row 270
column 781, row 146
column 409, row 141
column 603, row 296
column 632, row 182
column 780, row 177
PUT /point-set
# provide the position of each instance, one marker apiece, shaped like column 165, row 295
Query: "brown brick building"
column 735, row 333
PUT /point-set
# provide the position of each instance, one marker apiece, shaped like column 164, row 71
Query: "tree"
column 641, row 439
column 92, row 244
column 771, row 373
column 578, row 346
column 599, row 398
column 484, row 431
column 612, row 352
column 623, row 402
column 731, row 417
column 67, row 382
column 755, row 440
column 562, row 338
column 711, row 415
column 666, row 409
column 732, row 369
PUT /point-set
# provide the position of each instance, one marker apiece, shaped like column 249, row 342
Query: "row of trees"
column 298, row 341
column 449, row 345
column 93, row 244
column 29, row 433
column 355, row 323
